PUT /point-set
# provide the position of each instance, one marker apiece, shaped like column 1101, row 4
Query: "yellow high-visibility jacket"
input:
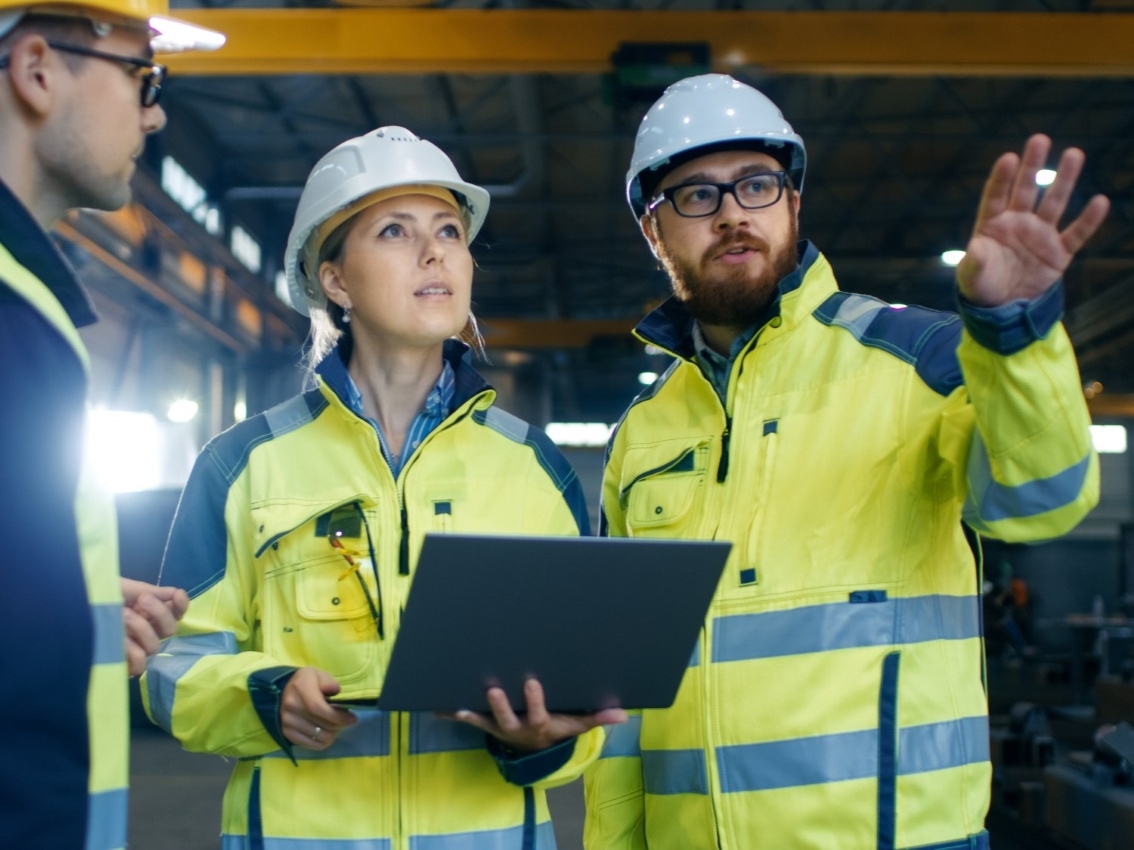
column 836, row 700
column 270, row 594
column 96, row 759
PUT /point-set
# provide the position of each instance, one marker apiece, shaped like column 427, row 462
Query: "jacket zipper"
column 722, row 467
column 403, row 550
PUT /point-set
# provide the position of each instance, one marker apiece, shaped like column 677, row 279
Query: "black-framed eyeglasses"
column 753, row 192
column 150, row 74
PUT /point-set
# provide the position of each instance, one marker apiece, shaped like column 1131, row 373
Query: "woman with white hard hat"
column 299, row 528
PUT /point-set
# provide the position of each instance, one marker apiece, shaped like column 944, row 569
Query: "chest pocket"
column 662, row 499
column 318, row 609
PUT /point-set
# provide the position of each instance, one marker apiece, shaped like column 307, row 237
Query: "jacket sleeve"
column 615, row 793
column 1017, row 434
column 557, row 765
column 613, row 784
column 207, row 687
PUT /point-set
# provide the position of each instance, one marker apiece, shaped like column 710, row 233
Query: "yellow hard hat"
column 169, row 34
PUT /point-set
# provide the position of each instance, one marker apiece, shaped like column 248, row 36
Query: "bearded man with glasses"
column 839, row 442
column 78, row 96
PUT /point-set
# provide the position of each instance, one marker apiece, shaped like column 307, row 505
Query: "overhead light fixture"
column 124, row 448
column 1045, row 177
column 647, row 378
column 578, row 434
column 1109, row 439
column 182, row 410
column 1092, row 389
column 951, row 258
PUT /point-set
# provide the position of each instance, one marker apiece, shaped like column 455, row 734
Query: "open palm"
column 1017, row 249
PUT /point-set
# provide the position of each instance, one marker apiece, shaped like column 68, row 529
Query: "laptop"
column 601, row 622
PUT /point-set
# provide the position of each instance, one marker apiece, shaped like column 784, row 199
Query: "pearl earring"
column 346, row 315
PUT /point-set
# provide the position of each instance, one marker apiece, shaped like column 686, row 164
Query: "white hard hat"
column 382, row 159
column 168, row 35
column 709, row 111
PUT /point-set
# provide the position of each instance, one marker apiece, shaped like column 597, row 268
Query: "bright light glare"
column 1045, row 177
column 240, row 411
column 1109, row 439
column 182, row 410
column 578, row 433
column 647, row 378
column 951, row 258
column 898, row 306
column 124, row 449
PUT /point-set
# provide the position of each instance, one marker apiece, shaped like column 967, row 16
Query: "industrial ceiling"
column 903, row 107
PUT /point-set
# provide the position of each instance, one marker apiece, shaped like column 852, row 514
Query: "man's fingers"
column 135, row 658
column 174, row 598
column 502, row 710
column 158, row 614
column 140, row 632
column 1024, row 188
column 1055, row 199
column 1084, row 227
column 997, row 189
column 536, row 704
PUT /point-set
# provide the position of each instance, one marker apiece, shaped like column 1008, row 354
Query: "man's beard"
column 731, row 296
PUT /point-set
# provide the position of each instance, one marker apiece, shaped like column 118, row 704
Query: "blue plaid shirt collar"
column 438, row 406
column 714, row 366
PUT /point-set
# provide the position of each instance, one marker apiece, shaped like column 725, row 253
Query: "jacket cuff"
column 1014, row 326
column 266, row 688
column 529, row 768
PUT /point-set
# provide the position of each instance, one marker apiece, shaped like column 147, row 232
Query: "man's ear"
column 32, row 75
column 649, row 227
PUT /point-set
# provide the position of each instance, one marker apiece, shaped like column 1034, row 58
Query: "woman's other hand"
column 307, row 719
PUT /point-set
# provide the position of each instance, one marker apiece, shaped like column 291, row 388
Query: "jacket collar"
column 33, row 249
column 670, row 326
column 467, row 382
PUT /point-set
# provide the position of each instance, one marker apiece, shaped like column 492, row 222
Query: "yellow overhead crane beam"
column 556, row 41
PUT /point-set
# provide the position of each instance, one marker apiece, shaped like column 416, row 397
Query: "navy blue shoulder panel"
column 195, row 555
column 547, row 454
column 926, row 339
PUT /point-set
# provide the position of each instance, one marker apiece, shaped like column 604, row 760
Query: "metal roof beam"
column 503, row 41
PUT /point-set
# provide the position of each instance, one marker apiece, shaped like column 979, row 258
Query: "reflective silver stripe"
column 674, row 772
column 856, row 313
column 109, row 633
column 800, row 761
column 288, row 416
column 505, row 423
column 845, row 625
column 490, row 839
column 850, row 755
column 241, row 842
column 989, row 500
column 106, row 817
column 368, row 738
column 176, row 657
column 623, row 739
column 936, row 746
column 429, row 734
